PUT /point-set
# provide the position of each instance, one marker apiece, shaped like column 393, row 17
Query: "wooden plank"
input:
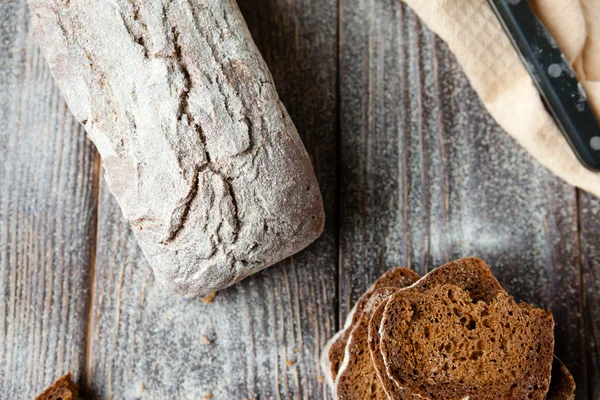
column 262, row 337
column 589, row 220
column 47, row 218
column 427, row 176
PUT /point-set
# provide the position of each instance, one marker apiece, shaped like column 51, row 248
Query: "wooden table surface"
column 413, row 170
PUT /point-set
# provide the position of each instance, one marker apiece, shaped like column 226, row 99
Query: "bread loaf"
column 197, row 148
column 457, row 334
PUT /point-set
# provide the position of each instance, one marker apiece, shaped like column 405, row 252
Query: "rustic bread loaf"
column 357, row 378
column 562, row 384
column 62, row 389
column 457, row 334
column 201, row 155
column 333, row 352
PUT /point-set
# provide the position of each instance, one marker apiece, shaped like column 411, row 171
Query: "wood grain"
column 47, row 218
column 427, row 176
column 262, row 337
column 589, row 219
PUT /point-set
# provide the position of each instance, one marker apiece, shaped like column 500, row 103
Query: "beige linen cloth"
column 473, row 33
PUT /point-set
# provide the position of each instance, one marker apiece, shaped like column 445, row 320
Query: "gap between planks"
column 338, row 175
column 583, row 301
column 96, row 192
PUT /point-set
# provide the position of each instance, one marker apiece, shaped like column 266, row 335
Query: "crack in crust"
column 181, row 212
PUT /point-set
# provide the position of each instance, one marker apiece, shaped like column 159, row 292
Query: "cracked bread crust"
column 198, row 150
column 457, row 333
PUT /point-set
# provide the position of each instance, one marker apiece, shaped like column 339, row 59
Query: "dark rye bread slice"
column 562, row 384
column 63, row 389
column 333, row 352
column 457, row 334
column 357, row 378
column 392, row 390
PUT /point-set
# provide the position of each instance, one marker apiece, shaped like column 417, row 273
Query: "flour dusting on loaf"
column 200, row 153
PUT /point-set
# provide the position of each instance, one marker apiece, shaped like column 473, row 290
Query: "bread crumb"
column 64, row 387
column 208, row 299
column 208, row 396
column 205, row 340
column 289, row 363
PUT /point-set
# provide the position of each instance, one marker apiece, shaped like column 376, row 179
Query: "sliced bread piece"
column 562, row 384
column 357, row 378
column 391, row 389
column 457, row 334
column 331, row 359
column 63, row 389
column 333, row 352
column 471, row 271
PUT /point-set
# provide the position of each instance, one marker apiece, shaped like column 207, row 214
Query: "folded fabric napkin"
column 475, row 36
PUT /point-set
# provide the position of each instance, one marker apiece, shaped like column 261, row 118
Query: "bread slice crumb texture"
column 391, row 389
column 63, row 389
column 457, row 333
column 357, row 378
column 333, row 354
